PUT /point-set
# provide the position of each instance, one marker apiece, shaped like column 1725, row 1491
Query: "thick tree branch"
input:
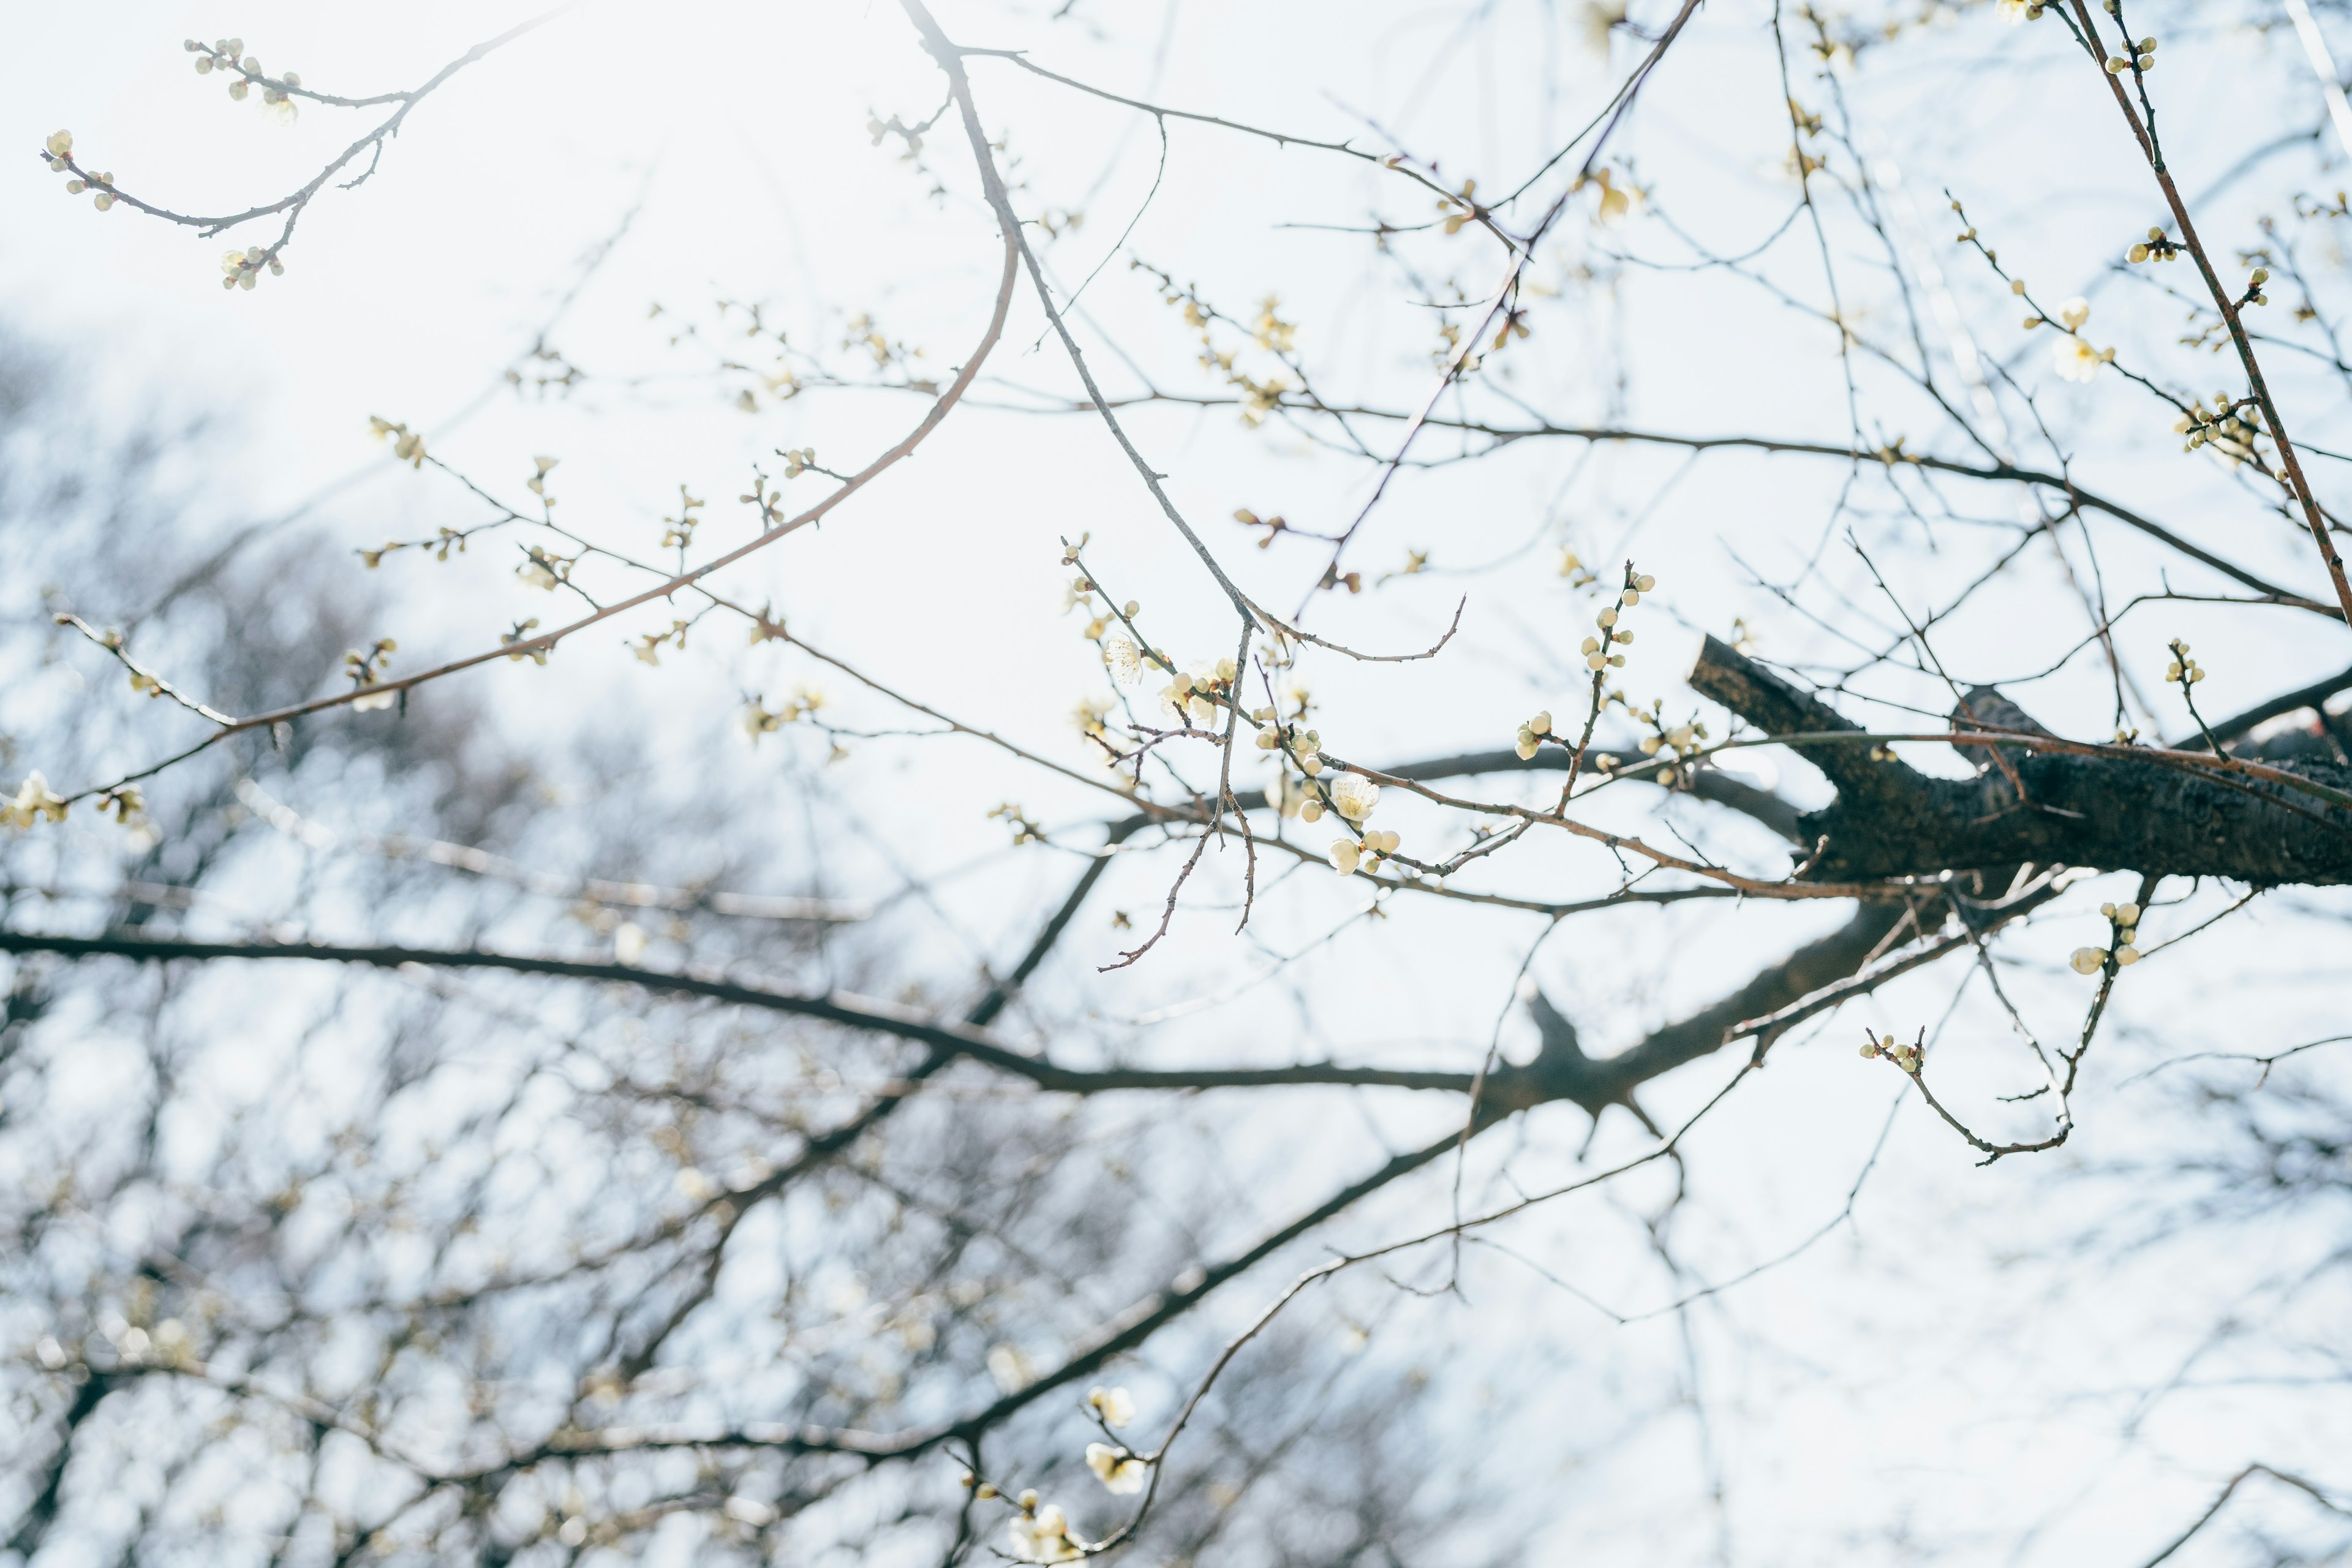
column 2109, row 811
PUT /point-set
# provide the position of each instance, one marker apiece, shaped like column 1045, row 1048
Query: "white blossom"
column 1115, row 1406
column 2076, row 360
column 1010, row 1368
column 1043, row 1536
column 1355, row 796
column 1120, row 1472
column 34, row 800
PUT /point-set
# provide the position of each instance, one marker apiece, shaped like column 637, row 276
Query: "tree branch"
column 2105, row 809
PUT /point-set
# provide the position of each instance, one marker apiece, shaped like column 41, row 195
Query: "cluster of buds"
column 1025, row 828
column 877, row 127
column 759, row 721
column 2254, row 281
column 1615, row 201
column 1273, row 525
column 2227, row 429
column 1303, row 746
column 2074, row 315
column 771, row 502
column 1346, row 854
column 2157, row 249
column 541, row 570
column 33, row 802
column 797, row 461
column 1572, row 567
column 60, row 150
column 1531, row 735
column 1270, row 331
column 1910, row 1057
column 407, row 446
column 1275, row 737
column 1355, row 797
column 1192, row 695
column 520, row 632
column 243, row 269
column 366, row 669
column 1460, row 209
column 1041, row 1534
column 2141, row 59
column 125, row 803
column 647, row 649
column 1089, row 716
column 1598, row 653
column 2124, row 920
column 2183, row 671
column 680, row 530
column 228, row 55
column 537, row 483
column 1677, row 742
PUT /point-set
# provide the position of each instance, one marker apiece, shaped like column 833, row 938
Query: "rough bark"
column 2108, row 813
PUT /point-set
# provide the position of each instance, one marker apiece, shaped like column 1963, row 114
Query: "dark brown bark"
column 2109, row 813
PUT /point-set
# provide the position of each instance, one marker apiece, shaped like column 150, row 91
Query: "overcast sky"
column 1881, row 1382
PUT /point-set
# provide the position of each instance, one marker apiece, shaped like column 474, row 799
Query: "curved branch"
column 526, row 647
